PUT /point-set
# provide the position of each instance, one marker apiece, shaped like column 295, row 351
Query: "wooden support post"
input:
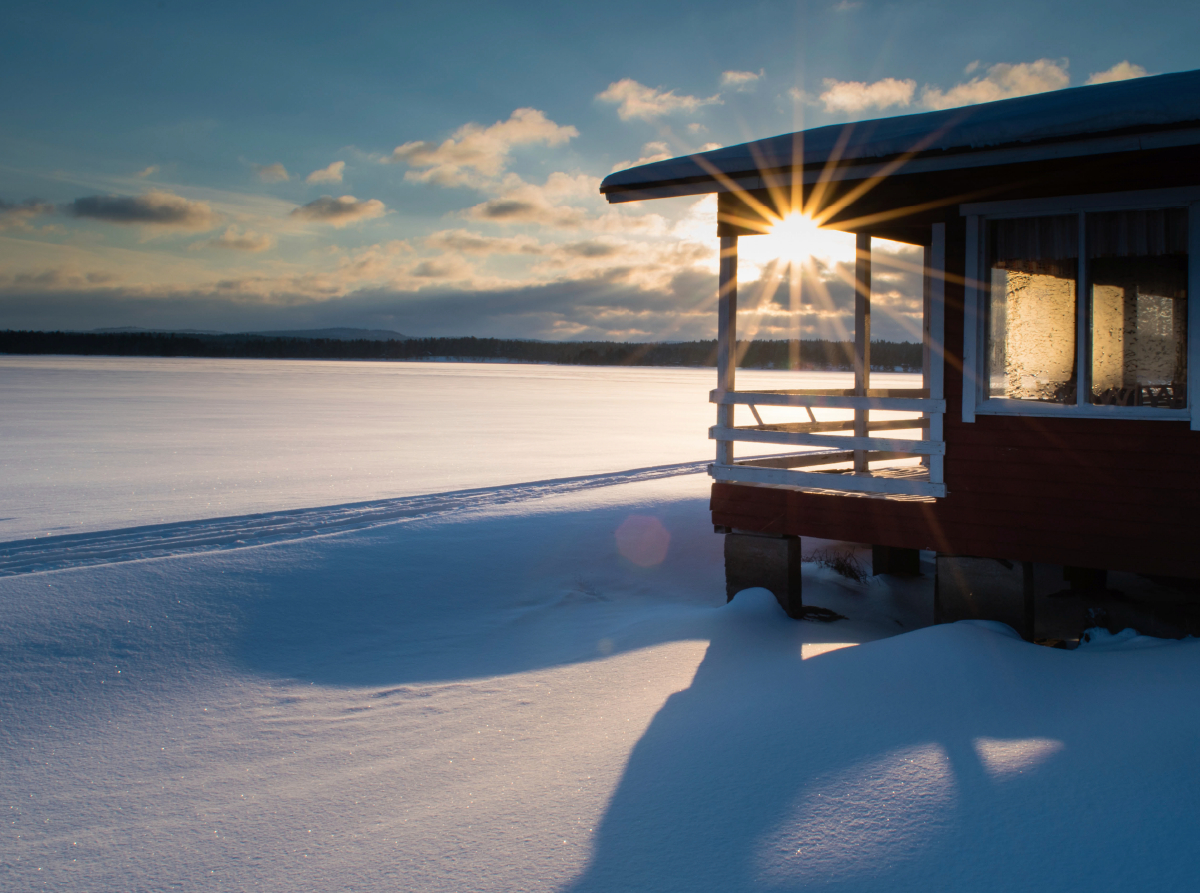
column 862, row 339
column 727, row 340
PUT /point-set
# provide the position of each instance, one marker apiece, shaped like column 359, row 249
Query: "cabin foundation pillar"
column 893, row 560
column 968, row 588
column 772, row 562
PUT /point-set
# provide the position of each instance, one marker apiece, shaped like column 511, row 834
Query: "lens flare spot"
column 643, row 540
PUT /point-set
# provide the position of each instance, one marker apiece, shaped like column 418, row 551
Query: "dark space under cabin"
column 1056, row 472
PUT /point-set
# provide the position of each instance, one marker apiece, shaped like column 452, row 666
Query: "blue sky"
column 433, row 168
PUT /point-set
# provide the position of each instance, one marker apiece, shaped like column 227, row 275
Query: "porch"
column 836, row 455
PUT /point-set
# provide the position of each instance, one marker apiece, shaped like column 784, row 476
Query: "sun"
column 795, row 240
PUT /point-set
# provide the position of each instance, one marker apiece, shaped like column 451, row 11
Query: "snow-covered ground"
column 375, row 683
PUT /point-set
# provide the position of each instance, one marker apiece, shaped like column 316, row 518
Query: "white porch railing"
column 834, row 448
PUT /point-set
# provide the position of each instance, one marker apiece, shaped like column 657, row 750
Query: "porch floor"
column 910, row 472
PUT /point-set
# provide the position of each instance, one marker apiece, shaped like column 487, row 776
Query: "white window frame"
column 975, row 398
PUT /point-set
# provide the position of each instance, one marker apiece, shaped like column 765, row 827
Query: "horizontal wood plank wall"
column 1103, row 493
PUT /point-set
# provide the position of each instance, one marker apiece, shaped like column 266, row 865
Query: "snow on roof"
column 1144, row 103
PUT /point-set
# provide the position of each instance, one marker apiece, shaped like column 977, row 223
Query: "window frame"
column 976, row 400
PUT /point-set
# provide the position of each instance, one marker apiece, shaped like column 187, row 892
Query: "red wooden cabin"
column 1059, row 417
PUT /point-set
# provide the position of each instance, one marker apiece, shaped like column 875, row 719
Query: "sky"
column 434, row 169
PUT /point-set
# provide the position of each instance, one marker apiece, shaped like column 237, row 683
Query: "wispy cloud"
column 19, row 215
column 330, row 174
column 637, row 101
column 1122, row 71
column 234, row 240
column 651, row 152
column 857, row 96
column 476, row 153
column 447, row 266
column 340, row 211
column 153, row 208
column 1002, row 81
column 742, row 81
column 466, row 242
column 272, row 173
column 147, row 172
column 547, row 205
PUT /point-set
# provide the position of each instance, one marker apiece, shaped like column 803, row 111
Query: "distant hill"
column 335, row 334
column 138, row 330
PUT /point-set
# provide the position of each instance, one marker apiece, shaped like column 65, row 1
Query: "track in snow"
column 159, row 540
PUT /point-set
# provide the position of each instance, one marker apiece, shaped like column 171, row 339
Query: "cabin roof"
column 1078, row 114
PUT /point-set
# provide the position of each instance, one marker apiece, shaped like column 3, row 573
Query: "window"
column 1085, row 310
column 1032, row 308
column 1137, row 271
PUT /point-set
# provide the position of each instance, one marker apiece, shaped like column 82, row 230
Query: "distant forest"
column 815, row 354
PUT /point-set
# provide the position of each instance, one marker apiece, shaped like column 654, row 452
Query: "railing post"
column 926, row 334
column 935, row 378
column 727, row 340
column 862, row 339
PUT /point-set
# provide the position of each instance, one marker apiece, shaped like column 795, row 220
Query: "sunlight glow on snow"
column 870, row 815
column 813, row 649
column 1002, row 757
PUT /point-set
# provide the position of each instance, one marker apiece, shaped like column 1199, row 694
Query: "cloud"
column 651, row 152
column 466, row 242
column 234, row 240
column 475, row 151
column 18, row 216
column 147, row 171
column 741, row 81
column 534, row 210
column 446, row 266
column 856, row 96
column 520, row 202
column 331, row 174
column 153, row 208
column 846, row 5
column 528, row 203
column 340, row 211
column 1002, row 81
column 634, row 100
column 272, row 173
column 1122, row 71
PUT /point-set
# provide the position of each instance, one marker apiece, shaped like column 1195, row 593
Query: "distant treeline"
column 815, row 354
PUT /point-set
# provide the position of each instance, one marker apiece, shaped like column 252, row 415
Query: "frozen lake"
column 93, row 443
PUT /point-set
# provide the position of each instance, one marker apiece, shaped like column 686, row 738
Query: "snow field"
column 540, row 688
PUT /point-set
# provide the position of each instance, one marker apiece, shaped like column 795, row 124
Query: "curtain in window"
column 1048, row 246
column 1154, row 233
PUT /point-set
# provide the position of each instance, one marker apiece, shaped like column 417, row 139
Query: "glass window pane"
column 1032, row 307
column 1138, row 273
